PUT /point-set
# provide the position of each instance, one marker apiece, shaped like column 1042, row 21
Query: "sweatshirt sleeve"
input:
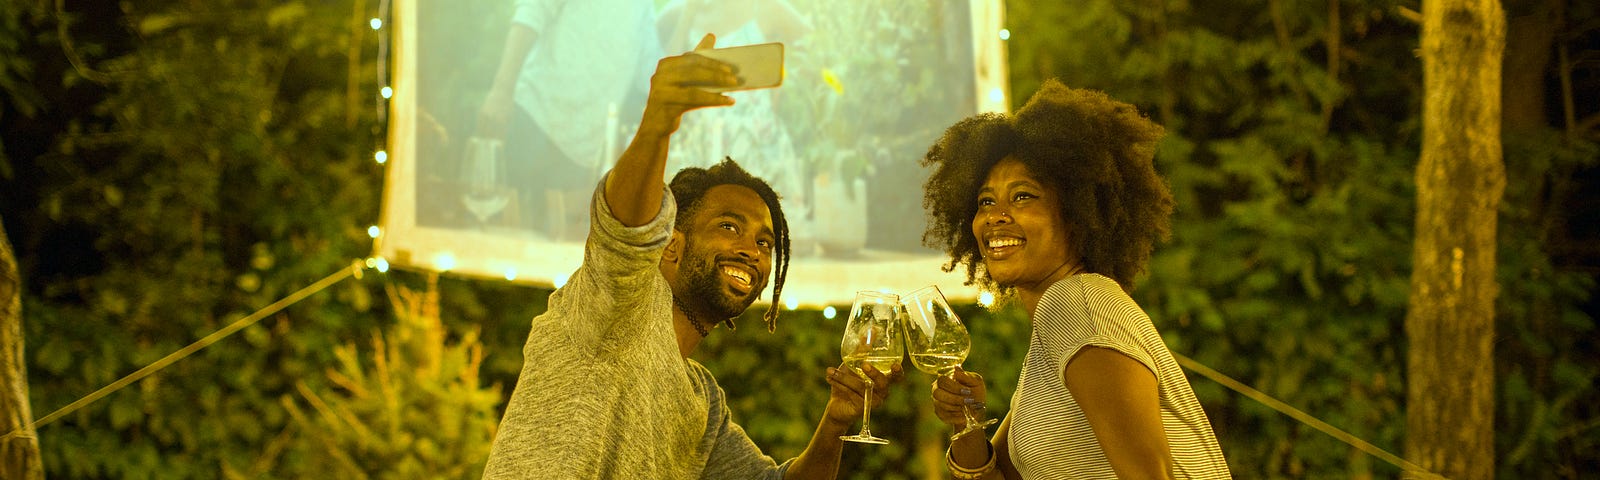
column 733, row 454
column 607, row 294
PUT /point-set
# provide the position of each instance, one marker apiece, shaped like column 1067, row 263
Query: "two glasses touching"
column 883, row 327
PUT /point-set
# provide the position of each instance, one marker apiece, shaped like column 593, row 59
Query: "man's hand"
column 848, row 389
column 633, row 188
column 676, row 88
column 495, row 114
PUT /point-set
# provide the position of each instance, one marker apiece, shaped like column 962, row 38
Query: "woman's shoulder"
column 1092, row 288
column 1088, row 299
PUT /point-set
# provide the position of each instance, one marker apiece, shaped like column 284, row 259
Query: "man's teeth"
column 738, row 274
column 1004, row 242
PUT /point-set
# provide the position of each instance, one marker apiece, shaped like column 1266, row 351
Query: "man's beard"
column 707, row 291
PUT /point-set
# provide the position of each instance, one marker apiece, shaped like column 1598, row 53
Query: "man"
column 567, row 67
column 607, row 389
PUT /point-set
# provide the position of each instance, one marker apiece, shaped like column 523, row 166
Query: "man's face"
column 727, row 253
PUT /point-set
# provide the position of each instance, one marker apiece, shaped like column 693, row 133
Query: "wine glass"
column 484, row 173
column 871, row 337
column 937, row 341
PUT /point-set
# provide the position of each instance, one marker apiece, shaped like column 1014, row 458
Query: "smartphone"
column 758, row 66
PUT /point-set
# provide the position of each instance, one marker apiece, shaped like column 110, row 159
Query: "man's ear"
column 674, row 250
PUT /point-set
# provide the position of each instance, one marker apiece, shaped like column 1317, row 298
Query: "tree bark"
column 19, row 454
column 1460, row 179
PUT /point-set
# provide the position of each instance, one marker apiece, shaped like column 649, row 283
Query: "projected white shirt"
column 586, row 55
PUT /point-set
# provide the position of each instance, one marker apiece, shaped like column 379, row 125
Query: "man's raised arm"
column 633, row 189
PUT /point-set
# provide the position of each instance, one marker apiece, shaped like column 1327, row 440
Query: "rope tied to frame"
column 353, row 270
column 1303, row 417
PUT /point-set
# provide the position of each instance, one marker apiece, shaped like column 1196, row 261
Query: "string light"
column 1005, row 33
column 382, row 156
column 560, row 281
column 445, row 261
column 791, row 303
column 995, row 95
column 829, row 312
column 986, row 299
column 511, row 274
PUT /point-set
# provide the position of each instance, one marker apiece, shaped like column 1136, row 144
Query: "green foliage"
column 15, row 70
column 218, row 168
column 1545, row 369
column 218, row 160
column 1288, row 268
column 410, row 408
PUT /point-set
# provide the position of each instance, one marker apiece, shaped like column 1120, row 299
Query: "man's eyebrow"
column 739, row 217
column 735, row 215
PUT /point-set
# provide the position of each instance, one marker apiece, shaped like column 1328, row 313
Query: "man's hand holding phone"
column 685, row 82
column 757, row 66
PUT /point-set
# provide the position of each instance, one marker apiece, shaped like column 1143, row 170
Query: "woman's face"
column 1019, row 229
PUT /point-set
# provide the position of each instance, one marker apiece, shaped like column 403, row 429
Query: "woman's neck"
column 1031, row 294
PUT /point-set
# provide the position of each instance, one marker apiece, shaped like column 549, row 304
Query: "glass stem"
column 866, row 410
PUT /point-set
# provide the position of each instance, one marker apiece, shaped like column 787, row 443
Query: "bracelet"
column 963, row 473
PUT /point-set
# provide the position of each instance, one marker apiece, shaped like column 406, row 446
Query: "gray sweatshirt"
column 603, row 392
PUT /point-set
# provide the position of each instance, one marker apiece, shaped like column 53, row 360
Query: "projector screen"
column 505, row 114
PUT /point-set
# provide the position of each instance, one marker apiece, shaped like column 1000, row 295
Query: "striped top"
column 1049, row 437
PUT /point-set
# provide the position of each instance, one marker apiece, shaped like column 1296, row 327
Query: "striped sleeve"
column 1080, row 313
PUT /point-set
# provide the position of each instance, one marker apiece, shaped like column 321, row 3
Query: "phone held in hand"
column 757, row 66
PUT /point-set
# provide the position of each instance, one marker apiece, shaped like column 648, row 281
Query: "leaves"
column 220, row 169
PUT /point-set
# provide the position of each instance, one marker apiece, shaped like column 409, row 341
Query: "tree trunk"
column 1460, row 179
column 19, row 454
column 1531, row 29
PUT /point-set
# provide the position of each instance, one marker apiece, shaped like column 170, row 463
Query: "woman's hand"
column 848, row 389
column 956, row 391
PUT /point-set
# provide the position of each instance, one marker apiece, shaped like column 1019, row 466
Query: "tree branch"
column 71, row 51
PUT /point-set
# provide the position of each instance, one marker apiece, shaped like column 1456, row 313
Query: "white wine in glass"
column 871, row 337
column 938, row 342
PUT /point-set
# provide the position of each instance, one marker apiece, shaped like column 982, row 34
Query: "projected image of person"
column 752, row 133
column 607, row 389
column 568, row 71
column 1060, row 204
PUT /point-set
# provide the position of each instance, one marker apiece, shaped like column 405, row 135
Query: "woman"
column 1060, row 205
